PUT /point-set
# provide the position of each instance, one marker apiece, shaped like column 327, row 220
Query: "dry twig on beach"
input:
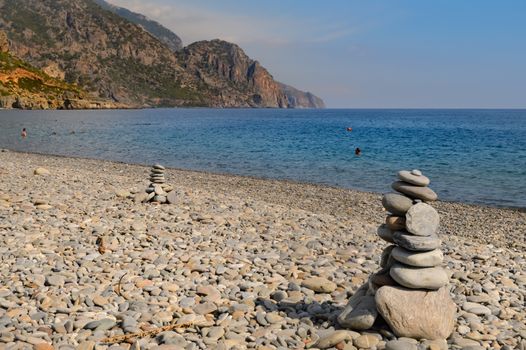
column 143, row 334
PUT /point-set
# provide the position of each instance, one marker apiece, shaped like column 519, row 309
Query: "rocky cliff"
column 236, row 79
column 112, row 58
column 301, row 99
column 97, row 50
column 4, row 43
column 26, row 87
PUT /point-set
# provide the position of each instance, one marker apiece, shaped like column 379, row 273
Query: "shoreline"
column 232, row 259
column 502, row 225
column 270, row 179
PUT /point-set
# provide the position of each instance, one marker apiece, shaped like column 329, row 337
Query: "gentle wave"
column 475, row 156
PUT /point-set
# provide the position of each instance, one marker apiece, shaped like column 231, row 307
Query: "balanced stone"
column 416, row 243
column 431, row 278
column 382, row 278
column 418, row 259
column 159, row 190
column 386, row 259
column 423, row 193
column 412, row 262
column 385, row 233
column 422, row 220
column 395, row 223
column 417, row 314
column 360, row 313
column 412, row 177
column 396, row 203
column 160, row 199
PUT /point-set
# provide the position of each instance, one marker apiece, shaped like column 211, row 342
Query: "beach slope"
column 229, row 265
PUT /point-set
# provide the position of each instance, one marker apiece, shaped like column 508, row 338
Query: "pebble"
column 476, row 308
column 319, row 284
column 418, row 259
column 253, row 242
column 403, row 308
column 55, row 280
column 333, row 338
column 400, row 345
column 416, row 243
column 41, row 171
column 396, row 204
column 422, row 220
column 414, row 177
column 395, row 223
column 431, row 278
column 416, row 192
column 385, row 233
column 366, row 341
column 360, row 313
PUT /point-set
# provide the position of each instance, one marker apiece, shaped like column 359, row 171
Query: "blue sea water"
column 474, row 156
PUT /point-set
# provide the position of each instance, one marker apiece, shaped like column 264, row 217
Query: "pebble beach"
column 232, row 263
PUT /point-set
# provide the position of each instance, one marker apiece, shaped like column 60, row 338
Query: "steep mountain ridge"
column 98, row 50
column 238, row 80
column 112, row 58
column 166, row 36
column 24, row 86
column 301, row 99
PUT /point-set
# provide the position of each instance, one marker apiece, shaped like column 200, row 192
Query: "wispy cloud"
column 194, row 23
column 293, row 48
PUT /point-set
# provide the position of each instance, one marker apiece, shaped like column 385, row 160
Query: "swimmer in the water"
column 357, row 151
column 24, row 133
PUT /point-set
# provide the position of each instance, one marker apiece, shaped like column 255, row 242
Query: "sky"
column 370, row 54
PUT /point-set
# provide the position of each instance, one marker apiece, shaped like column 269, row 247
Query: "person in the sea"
column 357, row 151
column 24, row 132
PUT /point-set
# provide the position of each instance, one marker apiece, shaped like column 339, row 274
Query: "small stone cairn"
column 410, row 292
column 158, row 191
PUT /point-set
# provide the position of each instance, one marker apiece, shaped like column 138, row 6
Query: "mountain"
column 301, row 99
column 24, row 86
column 296, row 98
column 164, row 35
column 97, row 50
column 111, row 57
column 237, row 80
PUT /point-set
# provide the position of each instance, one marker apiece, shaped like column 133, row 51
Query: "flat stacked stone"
column 158, row 191
column 410, row 265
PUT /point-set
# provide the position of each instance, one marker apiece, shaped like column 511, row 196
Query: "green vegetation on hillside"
column 113, row 53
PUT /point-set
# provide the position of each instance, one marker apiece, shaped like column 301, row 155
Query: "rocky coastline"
column 230, row 263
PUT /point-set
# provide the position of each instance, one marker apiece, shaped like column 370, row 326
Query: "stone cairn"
column 410, row 292
column 158, row 191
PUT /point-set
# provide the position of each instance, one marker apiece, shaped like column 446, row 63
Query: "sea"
column 470, row 155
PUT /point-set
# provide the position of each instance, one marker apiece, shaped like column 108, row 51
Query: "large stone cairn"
column 158, row 191
column 410, row 292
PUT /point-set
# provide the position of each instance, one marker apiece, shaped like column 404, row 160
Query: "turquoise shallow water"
column 474, row 156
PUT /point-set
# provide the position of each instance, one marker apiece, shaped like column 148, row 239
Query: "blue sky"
column 372, row 54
